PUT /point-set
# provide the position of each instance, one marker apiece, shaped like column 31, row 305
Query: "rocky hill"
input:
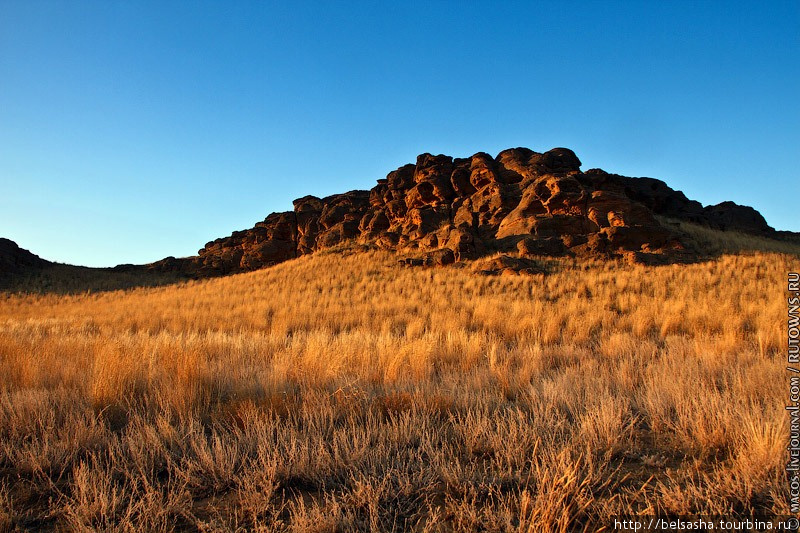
column 443, row 209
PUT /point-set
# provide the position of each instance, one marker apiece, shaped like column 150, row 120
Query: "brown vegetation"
column 342, row 392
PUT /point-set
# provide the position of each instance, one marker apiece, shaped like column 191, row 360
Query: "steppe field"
column 343, row 392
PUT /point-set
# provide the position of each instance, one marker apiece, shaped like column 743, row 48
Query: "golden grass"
column 343, row 392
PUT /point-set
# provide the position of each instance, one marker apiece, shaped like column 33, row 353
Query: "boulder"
column 548, row 246
column 558, row 161
column 441, row 257
column 638, row 238
column 401, row 179
column 430, row 167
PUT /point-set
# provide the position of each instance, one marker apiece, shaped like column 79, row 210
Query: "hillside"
column 14, row 260
column 342, row 391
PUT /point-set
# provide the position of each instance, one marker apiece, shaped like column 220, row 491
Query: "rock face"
column 447, row 210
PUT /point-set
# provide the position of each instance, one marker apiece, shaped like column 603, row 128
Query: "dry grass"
column 342, row 392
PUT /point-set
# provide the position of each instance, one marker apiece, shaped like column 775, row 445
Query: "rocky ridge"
column 443, row 209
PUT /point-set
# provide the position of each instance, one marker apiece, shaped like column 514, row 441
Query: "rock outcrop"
column 445, row 210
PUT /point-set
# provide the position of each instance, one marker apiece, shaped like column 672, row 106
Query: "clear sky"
column 130, row 131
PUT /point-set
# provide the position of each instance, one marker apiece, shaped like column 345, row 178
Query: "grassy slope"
column 343, row 392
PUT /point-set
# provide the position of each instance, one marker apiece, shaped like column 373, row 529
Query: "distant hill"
column 15, row 259
column 21, row 270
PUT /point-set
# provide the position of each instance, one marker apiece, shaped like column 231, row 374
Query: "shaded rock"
column 374, row 222
column 636, row 238
column 559, row 160
column 561, row 195
column 551, row 246
column 646, row 258
column 507, row 265
column 557, row 225
column 401, row 179
column 606, row 208
column 522, row 219
column 411, row 261
column 653, row 194
column 460, row 178
column 592, row 245
column 729, row 216
column 430, row 167
column 442, row 257
column 570, row 241
column 434, row 192
column 491, row 205
column 420, row 222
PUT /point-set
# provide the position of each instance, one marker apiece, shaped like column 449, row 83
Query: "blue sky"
column 130, row 131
